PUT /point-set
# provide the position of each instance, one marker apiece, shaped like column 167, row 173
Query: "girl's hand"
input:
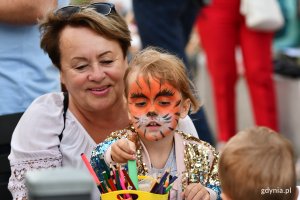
column 123, row 150
column 195, row 191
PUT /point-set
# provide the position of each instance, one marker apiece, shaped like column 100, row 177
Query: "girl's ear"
column 129, row 116
column 185, row 108
column 128, row 113
column 62, row 80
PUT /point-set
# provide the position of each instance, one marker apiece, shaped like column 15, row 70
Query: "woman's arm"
column 35, row 142
column 24, row 11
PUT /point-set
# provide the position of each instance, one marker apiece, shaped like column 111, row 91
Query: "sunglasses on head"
column 68, row 11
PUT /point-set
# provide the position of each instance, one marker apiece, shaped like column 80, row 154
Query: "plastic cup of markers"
column 136, row 194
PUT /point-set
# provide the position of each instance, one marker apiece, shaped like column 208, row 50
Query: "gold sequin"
column 200, row 159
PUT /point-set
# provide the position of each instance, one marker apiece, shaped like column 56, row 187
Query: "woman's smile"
column 100, row 91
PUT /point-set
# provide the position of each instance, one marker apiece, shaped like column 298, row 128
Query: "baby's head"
column 158, row 92
column 257, row 163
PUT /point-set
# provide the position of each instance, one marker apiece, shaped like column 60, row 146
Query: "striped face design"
column 154, row 107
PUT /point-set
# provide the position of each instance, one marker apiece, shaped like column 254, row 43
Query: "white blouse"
column 35, row 142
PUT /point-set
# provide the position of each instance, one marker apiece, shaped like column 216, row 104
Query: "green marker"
column 169, row 188
column 132, row 172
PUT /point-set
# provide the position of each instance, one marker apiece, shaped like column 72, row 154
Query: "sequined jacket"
column 196, row 161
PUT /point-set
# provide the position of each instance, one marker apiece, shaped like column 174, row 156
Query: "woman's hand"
column 195, row 191
column 123, row 150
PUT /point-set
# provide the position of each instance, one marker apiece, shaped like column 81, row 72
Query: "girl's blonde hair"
column 164, row 67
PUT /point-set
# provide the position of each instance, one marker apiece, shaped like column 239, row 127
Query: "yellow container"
column 140, row 195
column 136, row 194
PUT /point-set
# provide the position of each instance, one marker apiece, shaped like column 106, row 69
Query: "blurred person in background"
column 26, row 72
column 169, row 28
column 246, row 166
column 222, row 28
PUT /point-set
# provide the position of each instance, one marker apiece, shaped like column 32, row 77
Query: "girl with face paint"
column 159, row 94
column 154, row 107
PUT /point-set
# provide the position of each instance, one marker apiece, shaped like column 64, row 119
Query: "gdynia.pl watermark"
column 277, row 190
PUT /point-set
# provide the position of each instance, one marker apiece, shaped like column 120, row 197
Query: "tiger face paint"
column 154, row 107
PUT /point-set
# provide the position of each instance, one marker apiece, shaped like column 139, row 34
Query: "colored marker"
column 122, row 182
column 169, row 188
column 132, row 170
column 172, row 179
column 89, row 167
column 128, row 179
column 162, row 181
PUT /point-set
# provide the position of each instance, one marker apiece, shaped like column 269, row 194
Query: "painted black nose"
column 151, row 114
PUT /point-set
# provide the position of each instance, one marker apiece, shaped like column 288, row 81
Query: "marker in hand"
column 132, row 168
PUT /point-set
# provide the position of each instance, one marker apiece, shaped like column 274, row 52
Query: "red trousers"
column 222, row 29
